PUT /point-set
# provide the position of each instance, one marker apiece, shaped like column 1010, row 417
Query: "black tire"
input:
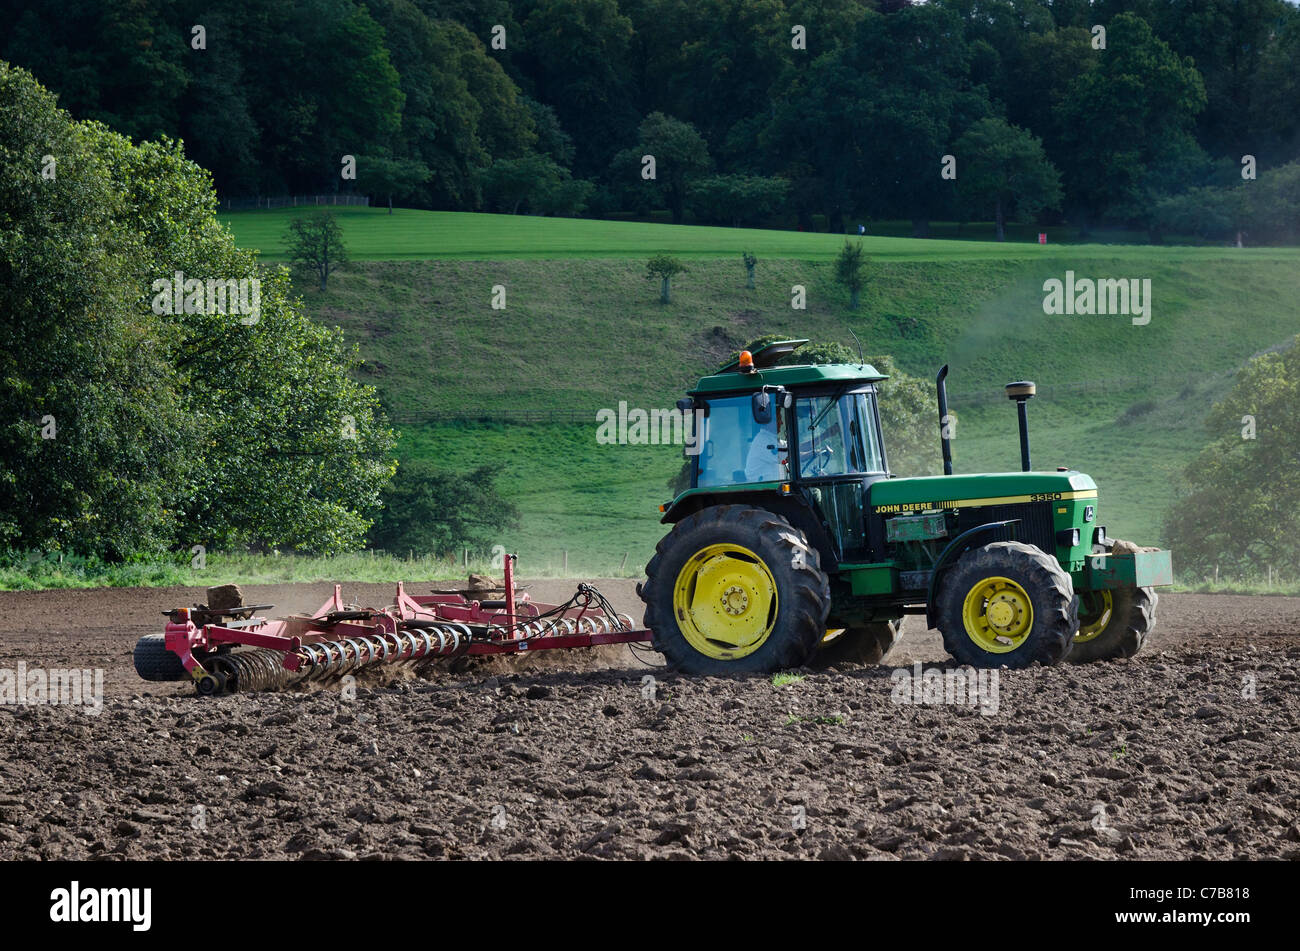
column 859, row 646
column 803, row 595
column 153, row 661
column 1051, row 597
column 1132, row 617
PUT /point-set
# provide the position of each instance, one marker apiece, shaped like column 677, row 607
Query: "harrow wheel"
column 153, row 661
column 865, row 645
column 1007, row 604
column 1113, row 623
column 733, row 589
column 211, row 685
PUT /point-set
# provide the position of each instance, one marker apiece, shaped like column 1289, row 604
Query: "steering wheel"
column 814, row 462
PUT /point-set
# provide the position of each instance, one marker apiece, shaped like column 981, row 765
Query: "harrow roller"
column 336, row 658
column 257, row 669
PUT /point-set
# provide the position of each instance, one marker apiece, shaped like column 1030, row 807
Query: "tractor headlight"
column 1067, row 537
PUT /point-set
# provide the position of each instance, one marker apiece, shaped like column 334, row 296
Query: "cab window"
column 736, row 450
column 837, row 435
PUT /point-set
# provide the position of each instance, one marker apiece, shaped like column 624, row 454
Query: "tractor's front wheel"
column 1113, row 623
column 734, row 589
column 864, row 645
column 1007, row 604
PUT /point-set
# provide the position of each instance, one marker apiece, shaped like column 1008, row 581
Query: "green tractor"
column 795, row 545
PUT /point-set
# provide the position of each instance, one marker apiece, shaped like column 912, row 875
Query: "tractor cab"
column 764, row 427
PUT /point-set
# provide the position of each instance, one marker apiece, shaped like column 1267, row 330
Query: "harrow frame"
column 339, row 638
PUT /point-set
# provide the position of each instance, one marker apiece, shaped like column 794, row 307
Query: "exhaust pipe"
column 943, row 419
column 1022, row 392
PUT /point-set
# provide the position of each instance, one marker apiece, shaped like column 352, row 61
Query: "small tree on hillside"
column 751, row 261
column 316, row 244
column 851, row 271
column 665, row 267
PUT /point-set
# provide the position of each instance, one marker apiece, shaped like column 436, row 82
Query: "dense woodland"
column 809, row 113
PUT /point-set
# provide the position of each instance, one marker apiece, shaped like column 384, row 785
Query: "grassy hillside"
column 1123, row 402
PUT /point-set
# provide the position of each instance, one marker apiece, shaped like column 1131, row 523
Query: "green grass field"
column 371, row 234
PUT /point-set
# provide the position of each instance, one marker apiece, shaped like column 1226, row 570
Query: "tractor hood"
column 969, row 491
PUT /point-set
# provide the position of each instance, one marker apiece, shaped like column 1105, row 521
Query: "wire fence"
column 293, row 201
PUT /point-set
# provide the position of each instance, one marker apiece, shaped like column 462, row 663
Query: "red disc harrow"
column 236, row 650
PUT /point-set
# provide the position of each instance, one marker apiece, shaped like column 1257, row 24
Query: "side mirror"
column 685, row 404
column 762, row 405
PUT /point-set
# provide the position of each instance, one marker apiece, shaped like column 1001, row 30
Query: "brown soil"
column 562, row 755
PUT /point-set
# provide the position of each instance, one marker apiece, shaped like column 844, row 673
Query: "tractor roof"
column 788, row 376
column 731, row 377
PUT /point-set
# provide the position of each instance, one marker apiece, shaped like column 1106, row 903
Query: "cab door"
column 837, row 454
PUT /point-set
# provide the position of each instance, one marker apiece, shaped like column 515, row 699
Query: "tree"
column 564, row 196
column 737, row 199
column 93, row 432
column 389, row 178
column 861, row 117
column 441, row 513
column 178, row 417
column 1124, row 116
column 579, row 58
column 535, row 181
column 1004, row 167
column 751, row 261
column 679, row 153
column 665, row 267
column 552, row 140
column 316, row 244
column 1240, row 505
column 851, row 268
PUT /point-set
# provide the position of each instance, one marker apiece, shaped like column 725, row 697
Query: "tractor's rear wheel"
column 1113, row 623
column 1007, row 604
column 863, row 645
column 734, row 589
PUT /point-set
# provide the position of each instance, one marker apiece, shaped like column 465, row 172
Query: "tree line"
column 159, row 389
column 819, row 113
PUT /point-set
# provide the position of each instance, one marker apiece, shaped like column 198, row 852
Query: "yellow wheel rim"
column 998, row 615
column 725, row 601
column 1097, row 609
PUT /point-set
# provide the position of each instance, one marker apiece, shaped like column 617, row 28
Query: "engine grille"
column 1034, row 527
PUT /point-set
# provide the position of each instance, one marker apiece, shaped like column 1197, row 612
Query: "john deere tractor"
column 796, row 545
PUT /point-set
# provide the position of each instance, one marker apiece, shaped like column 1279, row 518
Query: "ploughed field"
column 1190, row 750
